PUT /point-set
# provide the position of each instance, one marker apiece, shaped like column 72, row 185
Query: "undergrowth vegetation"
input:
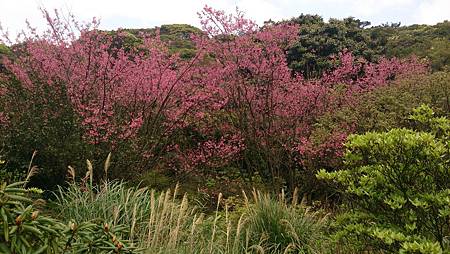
column 114, row 218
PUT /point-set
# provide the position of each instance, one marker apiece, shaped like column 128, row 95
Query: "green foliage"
column 155, row 180
column 388, row 107
column 177, row 37
column 24, row 230
column 88, row 218
column 57, row 140
column 8, row 176
column 277, row 226
column 109, row 201
column 4, row 51
column 396, row 185
column 424, row 41
column 318, row 41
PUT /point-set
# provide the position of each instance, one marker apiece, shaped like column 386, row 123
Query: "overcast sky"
column 150, row 13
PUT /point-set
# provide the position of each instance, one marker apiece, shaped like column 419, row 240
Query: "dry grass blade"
column 239, row 227
column 32, row 170
column 289, row 248
column 90, row 172
column 166, row 223
column 107, row 165
column 295, row 197
column 71, row 173
column 217, row 216
column 31, row 161
column 257, row 248
column 304, row 201
column 246, row 202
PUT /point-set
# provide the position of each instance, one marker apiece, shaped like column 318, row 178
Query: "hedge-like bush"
column 396, row 187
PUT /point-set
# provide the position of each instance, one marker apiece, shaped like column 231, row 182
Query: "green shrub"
column 396, row 187
column 56, row 138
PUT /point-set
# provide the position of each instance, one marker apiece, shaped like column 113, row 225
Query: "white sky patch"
column 150, row 13
column 376, row 7
column 433, row 11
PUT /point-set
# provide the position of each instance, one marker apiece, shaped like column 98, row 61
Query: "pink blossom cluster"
column 216, row 153
column 236, row 91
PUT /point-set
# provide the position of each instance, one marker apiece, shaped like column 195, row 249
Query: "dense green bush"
column 318, row 41
column 396, row 187
column 57, row 139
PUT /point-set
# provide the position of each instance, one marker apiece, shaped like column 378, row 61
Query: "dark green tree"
column 319, row 41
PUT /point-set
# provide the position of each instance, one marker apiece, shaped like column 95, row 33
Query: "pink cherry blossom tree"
column 236, row 102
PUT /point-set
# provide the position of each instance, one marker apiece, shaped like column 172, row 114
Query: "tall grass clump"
column 263, row 225
column 166, row 222
column 152, row 219
column 279, row 226
column 25, row 227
